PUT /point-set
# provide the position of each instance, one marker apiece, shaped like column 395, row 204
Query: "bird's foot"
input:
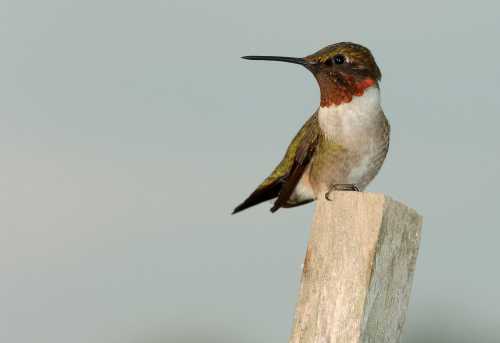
column 350, row 187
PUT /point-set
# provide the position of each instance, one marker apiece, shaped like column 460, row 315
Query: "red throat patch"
column 339, row 89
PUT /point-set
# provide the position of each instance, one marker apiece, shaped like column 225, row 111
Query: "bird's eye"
column 338, row 59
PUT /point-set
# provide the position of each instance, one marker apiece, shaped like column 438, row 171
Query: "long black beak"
column 296, row 60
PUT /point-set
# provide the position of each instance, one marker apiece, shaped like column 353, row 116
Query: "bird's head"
column 343, row 70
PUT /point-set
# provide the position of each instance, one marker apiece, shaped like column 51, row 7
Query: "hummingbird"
column 344, row 143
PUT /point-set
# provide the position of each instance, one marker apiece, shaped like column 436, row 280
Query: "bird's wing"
column 282, row 181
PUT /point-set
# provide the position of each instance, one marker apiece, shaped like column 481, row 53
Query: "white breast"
column 350, row 119
column 354, row 126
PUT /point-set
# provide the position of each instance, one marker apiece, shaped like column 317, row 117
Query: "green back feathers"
column 282, row 181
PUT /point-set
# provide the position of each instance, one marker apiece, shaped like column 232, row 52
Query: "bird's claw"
column 351, row 187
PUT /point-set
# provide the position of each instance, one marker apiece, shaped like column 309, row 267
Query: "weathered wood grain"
column 358, row 270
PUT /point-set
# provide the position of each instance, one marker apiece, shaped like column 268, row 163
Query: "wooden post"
column 358, row 270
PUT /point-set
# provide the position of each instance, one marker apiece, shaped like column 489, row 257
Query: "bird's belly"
column 339, row 167
column 364, row 169
column 347, row 166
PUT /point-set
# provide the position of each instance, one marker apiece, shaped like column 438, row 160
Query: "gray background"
column 130, row 129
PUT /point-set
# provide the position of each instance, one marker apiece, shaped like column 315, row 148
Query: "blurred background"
column 130, row 129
